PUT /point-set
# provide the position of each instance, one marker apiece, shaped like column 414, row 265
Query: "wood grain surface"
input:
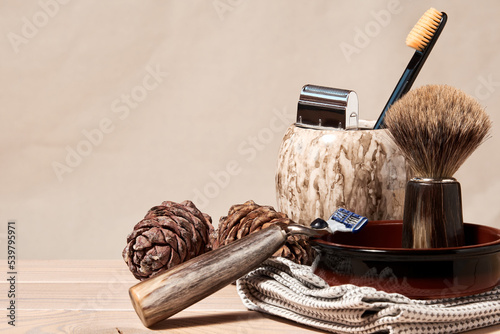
column 89, row 296
column 162, row 296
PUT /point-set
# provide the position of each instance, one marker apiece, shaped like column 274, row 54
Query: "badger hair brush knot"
column 436, row 127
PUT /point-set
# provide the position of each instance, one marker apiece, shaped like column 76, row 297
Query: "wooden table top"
column 88, row 296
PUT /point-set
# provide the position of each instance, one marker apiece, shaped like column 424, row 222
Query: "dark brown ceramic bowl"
column 374, row 257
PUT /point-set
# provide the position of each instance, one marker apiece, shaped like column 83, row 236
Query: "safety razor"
column 324, row 107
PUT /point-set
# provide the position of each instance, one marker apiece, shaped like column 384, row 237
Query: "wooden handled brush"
column 422, row 38
column 437, row 127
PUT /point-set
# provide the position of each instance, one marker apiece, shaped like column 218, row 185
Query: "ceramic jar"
column 320, row 170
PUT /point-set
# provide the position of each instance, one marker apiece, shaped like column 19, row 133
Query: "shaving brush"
column 437, row 127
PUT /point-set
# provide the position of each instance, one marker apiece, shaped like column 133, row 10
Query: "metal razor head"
column 352, row 221
column 341, row 220
column 325, row 107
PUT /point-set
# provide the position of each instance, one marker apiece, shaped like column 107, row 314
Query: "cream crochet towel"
column 283, row 288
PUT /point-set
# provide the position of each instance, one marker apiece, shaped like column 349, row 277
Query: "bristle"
column 422, row 32
column 437, row 127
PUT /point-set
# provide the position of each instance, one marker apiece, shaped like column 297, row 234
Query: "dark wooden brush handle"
column 433, row 214
column 162, row 296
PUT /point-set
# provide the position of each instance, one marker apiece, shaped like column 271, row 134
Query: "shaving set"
column 378, row 201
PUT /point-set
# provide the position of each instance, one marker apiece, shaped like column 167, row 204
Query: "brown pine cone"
column 169, row 234
column 243, row 219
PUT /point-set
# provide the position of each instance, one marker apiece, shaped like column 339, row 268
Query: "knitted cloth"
column 283, row 288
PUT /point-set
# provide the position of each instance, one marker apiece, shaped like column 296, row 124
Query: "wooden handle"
column 433, row 214
column 162, row 296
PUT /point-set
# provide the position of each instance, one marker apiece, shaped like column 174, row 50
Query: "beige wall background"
column 109, row 108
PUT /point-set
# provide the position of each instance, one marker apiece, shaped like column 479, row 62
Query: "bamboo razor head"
column 437, row 127
column 422, row 33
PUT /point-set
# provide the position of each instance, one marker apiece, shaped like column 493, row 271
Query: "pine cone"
column 243, row 219
column 169, row 234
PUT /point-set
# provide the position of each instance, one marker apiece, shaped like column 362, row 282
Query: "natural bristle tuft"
column 422, row 32
column 437, row 127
